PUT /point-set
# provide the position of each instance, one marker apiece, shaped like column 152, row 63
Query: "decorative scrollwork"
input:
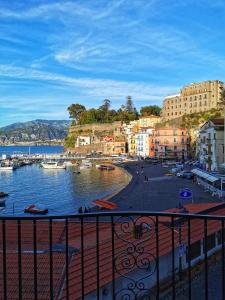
column 134, row 261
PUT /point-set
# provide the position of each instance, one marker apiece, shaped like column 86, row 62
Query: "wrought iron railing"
column 118, row 255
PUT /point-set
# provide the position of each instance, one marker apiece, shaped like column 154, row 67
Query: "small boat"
column 2, row 194
column 105, row 204
column 6, row 166
column 53, row 165
column 85, row 164
column 33, row 209
column 105, row 167
column 76, row 172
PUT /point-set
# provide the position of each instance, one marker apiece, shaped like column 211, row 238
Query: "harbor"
column 61, row 191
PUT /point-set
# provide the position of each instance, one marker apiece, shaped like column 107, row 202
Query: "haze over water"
column 61, row 191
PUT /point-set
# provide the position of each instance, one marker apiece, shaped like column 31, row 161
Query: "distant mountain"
column 37, row 130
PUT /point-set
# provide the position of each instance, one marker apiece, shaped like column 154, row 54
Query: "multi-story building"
column 211, row 144
column 143, row 142
column 115, row 147
column 170, row 143
column 148, row 121
column 193, row 98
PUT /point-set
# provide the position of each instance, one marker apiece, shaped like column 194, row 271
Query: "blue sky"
column 54, row 53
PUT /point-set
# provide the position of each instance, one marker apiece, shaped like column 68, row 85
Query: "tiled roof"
column 123, row 238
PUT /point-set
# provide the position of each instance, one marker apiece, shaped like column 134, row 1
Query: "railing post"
column 206, row 257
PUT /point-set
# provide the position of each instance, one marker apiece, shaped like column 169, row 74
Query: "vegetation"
column 194, row 119
column 150, row 110
column 103, row 114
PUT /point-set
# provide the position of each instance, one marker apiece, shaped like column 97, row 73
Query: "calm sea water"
column 61, row 191
column 32, row 149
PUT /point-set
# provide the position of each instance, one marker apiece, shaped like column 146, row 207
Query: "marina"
column 61, row 191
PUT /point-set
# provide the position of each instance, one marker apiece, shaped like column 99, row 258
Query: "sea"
column 61, row 191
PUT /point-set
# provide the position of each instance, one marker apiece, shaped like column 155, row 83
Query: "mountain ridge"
column 35, row 130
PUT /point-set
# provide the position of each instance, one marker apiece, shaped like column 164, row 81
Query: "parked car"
column 185, row 174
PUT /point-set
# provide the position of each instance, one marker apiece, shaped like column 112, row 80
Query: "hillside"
column 194, row 119
column 37, row 130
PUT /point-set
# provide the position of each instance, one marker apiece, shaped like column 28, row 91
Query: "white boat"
column 53, row 165
column 6, row 167
column 85, row 164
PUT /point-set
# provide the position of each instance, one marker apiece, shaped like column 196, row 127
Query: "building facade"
column 211, row 144
column 148, row 121
column 193, row 98
column 143, row 142
column 170, row 143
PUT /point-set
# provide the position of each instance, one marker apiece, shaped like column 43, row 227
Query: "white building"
column 143, row 142
column 211, row 144
column 83, row 140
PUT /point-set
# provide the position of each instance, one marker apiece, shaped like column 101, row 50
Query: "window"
column 200, row 97
column 205, row 96
column 194, row 251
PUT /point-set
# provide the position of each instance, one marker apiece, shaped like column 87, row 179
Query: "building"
column 170, row 143
column 143, row 142
column 148, row 121
column 193, row 98
column 211, row 144
column 115, row 147
column 83, row 140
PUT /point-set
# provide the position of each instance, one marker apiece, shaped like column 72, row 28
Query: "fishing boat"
column 105, row 167
column 33, row 209
column 53, row 165
column 103, row 203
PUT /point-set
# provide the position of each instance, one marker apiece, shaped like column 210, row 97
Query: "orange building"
column 170, row 143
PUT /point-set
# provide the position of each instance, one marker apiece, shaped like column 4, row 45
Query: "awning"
column 205, row 175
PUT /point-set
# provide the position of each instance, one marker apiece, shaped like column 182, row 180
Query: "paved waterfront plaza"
column 160, row 192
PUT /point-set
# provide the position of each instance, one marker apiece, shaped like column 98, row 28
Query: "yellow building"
column 148, row 121
column 193, row 98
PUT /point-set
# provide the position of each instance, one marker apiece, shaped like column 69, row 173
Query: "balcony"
column 120, row 255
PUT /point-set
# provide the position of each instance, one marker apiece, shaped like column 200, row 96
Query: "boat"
column 105, row 167
column 33, row 209
column 3, row 194
column 103, row 203
column 6, row 166
column 85, row 164
column 53, row 165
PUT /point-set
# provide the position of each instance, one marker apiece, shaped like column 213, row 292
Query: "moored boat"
column 105, row 167
column 33, row 209
column 103, row 203
column 85, row 164
column 53, row 165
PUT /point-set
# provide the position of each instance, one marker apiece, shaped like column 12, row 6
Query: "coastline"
column 116, row 192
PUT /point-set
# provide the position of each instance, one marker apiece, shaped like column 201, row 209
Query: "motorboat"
column 33, row 209
column 105, row 167
column 53, row 165
column 6, row 166
column 103, row 203
column 85, row 164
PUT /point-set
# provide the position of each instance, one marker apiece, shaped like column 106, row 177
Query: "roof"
column 172, row 96
column 205, row 175
column 123, row 228
column 219, row 121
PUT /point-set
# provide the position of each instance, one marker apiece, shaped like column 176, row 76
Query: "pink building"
column 170, row 143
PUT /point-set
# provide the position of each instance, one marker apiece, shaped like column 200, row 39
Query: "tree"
column 150, row 110
column 129, row 105
column 75, row 110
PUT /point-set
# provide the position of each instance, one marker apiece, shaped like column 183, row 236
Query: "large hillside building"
column 193, row 98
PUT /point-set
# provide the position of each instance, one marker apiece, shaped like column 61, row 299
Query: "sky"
column 54, row 53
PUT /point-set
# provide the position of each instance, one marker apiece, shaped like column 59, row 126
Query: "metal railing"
column 112, row 255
